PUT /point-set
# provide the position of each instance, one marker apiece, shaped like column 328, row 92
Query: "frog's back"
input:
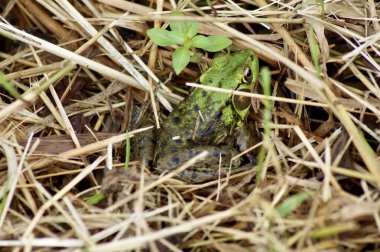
column 205, row 117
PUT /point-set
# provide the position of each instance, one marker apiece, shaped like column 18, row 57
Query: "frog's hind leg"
column 200, row 176
column 204, row 170
column 144, row 144
column 173, row 160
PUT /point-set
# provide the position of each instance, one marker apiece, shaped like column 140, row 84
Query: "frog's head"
column 249, row 77
column 236, row 71
column 243, row 67
column 231, row 69
column 233, row 63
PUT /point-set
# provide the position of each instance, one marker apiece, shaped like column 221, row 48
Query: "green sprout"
column 314, row 49
column 266, row 80
column 291, row 203
column 8, row 86
column 184, row 35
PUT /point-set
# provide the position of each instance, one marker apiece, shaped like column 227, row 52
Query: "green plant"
column 8, row 86
column 266, row 80
column 314, row 49
column 184, row 34
column 291, row 203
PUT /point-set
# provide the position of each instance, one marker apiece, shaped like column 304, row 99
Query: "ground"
column 75, row 75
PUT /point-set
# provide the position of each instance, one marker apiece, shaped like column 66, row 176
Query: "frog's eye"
column 247, row 74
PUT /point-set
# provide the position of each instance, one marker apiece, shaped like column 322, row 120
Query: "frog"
column 208, row 120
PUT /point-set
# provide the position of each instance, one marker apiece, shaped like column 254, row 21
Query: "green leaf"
column 291, row 203
column 162, row 37
column 186, row 29
column 187, row 44
column 200, row 41
column 314, row 49
column 178, row 26
column 217, row 43
column 94, row 199
column 322, row 3
column 196, row 58
column 181, row 58
column 7, row 85
column 176, row 37
column 192, row 29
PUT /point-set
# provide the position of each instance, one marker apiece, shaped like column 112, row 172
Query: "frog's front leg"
column 246, row 137
column 145, row 148
column 204, row 170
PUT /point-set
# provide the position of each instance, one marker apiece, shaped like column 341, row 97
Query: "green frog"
column 207, row 120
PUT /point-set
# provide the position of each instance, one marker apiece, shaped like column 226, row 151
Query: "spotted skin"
column 195, row 176
column 204, row 121
column 173, row 160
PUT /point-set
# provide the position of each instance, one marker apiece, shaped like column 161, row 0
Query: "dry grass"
column 84, row 68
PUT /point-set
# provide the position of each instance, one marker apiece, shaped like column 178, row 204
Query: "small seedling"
column 184, row 34
column 8, row 86
column 291, row 203
column 314, row 49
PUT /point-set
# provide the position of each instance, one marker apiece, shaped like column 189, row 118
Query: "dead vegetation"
column 84, row 67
